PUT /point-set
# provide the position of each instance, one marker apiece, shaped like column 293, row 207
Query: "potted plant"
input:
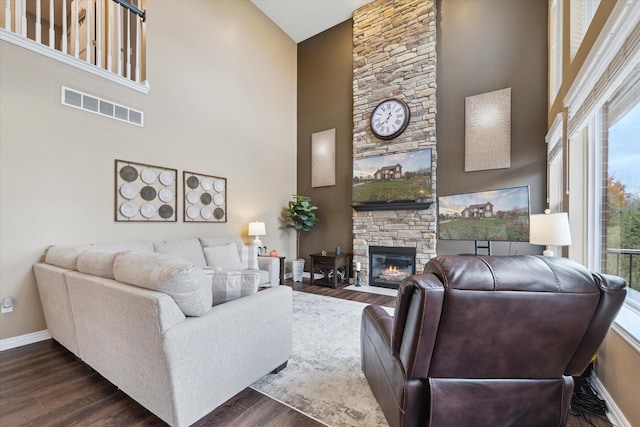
column 299, row 215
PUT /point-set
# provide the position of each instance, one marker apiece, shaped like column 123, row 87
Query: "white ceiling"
column 302, row 19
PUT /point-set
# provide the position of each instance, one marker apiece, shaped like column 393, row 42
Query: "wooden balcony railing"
column 104, row 33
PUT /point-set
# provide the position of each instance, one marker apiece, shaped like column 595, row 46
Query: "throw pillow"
column 225, row 256
column 185, row 282
column 232, row 285
column 249, row 257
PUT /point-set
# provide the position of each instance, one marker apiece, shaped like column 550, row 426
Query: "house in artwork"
column 387, row 173
column 479, row 211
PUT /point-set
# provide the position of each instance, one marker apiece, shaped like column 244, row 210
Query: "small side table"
column 282, row 258
column 329, row 262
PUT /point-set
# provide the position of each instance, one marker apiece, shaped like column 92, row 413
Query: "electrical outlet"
column 7, row 305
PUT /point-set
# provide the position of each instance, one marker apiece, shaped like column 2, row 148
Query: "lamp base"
column 547, row 252
column 257, row 242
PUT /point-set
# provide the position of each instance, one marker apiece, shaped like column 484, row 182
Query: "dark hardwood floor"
column 43, row 384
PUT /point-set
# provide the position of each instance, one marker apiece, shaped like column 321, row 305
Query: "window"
column 555, row 49
column 581, row 15
column 619, row 193
column 601, row 148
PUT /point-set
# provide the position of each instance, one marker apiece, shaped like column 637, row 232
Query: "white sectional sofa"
column 178, row 334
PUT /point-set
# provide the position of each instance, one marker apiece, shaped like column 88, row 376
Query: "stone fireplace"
column 394, row 56
column 389, row 266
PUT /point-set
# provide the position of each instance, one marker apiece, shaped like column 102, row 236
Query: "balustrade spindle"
column 63, row 38
column 52, row 31
column 38, row 21
column 109, row 30
column 87, row 32
column 99, row 33
column 138, row 56
column 23, row 19
column 128, row 49
column 7, row 15
column 119, row 50
column 76, row 30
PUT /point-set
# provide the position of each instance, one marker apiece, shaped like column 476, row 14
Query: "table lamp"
column 549, row 229
column 257, row 229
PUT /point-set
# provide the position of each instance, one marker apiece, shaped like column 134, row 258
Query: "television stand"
column 486, row 246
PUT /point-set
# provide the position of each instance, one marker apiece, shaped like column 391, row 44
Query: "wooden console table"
column 329, row 262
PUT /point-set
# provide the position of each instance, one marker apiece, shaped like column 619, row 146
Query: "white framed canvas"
column 487, row 126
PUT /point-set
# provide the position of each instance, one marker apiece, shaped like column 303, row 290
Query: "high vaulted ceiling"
column 302, row 19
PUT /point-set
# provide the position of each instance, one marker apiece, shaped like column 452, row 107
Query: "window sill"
column 33, row 46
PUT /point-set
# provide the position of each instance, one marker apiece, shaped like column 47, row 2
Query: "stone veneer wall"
column 394, row 55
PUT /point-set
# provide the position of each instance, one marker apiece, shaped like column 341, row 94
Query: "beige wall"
column 617, row 368
column 222, row 102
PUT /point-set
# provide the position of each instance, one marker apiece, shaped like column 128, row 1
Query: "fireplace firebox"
column 388, row 266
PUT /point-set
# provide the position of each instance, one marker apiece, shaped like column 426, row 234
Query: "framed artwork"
column 205, row 198
column 487, row 131
column 145, row 193
column 323, row 158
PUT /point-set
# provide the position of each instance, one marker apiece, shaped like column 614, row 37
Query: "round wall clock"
column 390, row 118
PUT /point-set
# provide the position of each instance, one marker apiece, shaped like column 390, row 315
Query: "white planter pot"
column 298, row 269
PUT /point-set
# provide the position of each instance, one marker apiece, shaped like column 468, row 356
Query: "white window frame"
column 613, row 55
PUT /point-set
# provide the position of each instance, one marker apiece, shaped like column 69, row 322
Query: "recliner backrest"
column 502, row 317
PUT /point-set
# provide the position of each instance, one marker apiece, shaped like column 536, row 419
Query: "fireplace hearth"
column 390, row 265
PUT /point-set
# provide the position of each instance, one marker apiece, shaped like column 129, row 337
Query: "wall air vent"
column 93, row 104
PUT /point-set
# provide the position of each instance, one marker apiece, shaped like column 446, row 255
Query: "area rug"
column 323, row 379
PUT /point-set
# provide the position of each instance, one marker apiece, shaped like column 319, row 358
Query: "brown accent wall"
column 481, row 46
column 485, row 46
column 325, row 102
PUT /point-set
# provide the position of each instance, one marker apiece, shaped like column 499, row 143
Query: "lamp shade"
column 257, row 229
column 550, row 229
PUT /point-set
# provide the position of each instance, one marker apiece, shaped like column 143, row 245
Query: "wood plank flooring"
column 43, row 384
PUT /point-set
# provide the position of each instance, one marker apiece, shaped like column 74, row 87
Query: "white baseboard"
column 21, row 340
column 614, row 414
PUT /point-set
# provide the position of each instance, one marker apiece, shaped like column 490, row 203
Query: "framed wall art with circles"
column 205, row 198
column 145, row 193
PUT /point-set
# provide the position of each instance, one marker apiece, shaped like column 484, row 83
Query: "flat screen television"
column 393, row 181
column 494, row 215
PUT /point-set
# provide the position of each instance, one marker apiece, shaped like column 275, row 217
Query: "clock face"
column 389, row 119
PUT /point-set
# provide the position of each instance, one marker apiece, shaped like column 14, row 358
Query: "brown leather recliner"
column 487, row 341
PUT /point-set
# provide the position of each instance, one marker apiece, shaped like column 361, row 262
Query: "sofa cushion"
column 186, row 283
column 189, row 249
column 97, row 263
column 227, row 286
column 64, row 256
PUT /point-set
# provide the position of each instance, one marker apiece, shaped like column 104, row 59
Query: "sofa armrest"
column 272, row 265
column 217, row 355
